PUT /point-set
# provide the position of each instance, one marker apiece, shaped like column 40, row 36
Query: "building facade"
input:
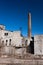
column 9, row 40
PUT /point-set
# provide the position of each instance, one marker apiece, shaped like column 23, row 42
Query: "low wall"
column 13, row 61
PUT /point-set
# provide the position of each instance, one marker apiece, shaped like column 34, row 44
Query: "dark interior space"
column 32, row 45
column 30, row 48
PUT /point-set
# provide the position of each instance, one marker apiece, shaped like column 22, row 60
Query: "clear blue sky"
column 14, row 14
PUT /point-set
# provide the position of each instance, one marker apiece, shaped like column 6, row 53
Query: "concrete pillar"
column 29, row 25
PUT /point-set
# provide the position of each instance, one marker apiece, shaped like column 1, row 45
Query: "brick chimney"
column 29, row 25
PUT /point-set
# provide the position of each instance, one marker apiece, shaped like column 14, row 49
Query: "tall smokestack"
column 29, row 25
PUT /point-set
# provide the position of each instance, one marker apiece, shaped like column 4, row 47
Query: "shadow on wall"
column 30, row 48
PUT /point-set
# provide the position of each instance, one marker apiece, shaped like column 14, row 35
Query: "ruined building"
column 12, row 43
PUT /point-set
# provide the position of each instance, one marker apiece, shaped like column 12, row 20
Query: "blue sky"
column 14, row 14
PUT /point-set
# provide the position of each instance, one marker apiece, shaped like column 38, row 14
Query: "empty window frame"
column 6, row 42
column 3, row 43
column 6, row 34
column 9, row 41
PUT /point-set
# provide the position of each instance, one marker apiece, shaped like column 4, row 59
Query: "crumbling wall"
column 20, row 51
column 38, row 44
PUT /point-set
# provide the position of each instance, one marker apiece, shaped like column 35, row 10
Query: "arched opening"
column 10, row 42
column 6, row 42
